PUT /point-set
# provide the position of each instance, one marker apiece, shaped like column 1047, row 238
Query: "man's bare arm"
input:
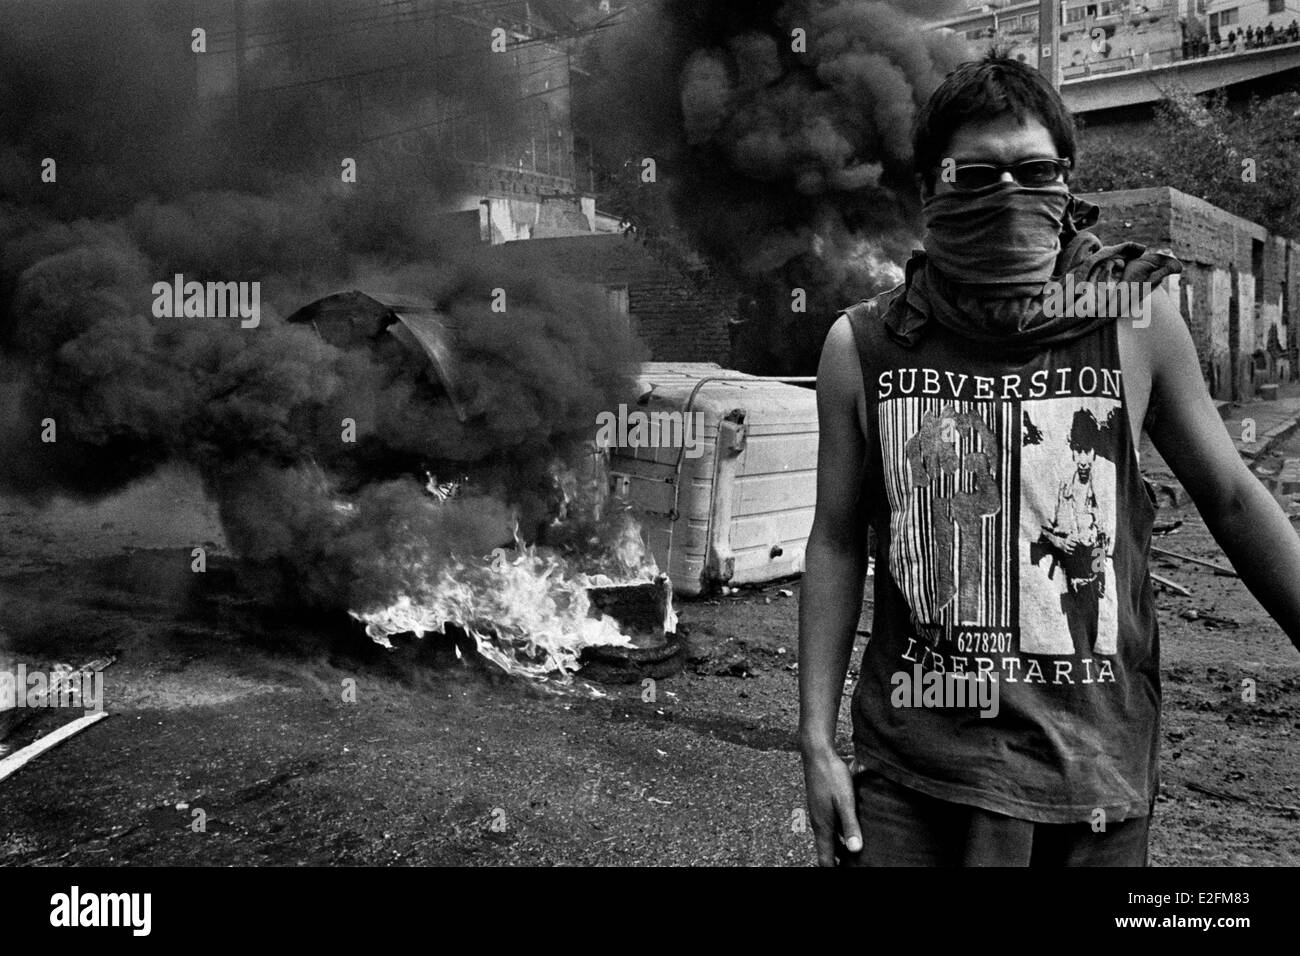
column 1244, row 518
column 830, row 599
column 835, row 562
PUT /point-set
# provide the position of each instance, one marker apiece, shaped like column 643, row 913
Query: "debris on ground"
column 1172, row 585
column 732, row 664
column 1225, row 795
column 1218, row 568
column 1208, row 619
column 1170, row 494
column 66, row 682
column 20, row 758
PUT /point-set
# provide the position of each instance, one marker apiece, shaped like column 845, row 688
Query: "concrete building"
column 1240, row 289
column 525, row 184
column 520, row 173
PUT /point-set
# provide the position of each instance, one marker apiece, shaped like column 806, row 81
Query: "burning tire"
column 629, row 665
column 644, row 611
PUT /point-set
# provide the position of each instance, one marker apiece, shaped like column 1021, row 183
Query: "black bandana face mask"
column 1000, row 241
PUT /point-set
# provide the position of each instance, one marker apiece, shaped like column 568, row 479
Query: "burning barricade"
column 580, row 591
column 540, row 611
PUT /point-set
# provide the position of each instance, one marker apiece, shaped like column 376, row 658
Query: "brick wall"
column 682, row 321
column 1206, row 234
column 1292, row 328
column 1274, row 268
column 1134, row 215
column 1218, row 251
column 682, row 317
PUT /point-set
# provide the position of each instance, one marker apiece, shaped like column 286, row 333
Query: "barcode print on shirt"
column 948, row 469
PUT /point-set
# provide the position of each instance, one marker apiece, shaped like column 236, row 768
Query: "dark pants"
column 901, row 827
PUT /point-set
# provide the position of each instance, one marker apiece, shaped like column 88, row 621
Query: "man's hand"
column 831, row 803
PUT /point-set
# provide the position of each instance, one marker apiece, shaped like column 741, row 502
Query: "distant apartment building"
column 1100, row 36
column 1118, row 55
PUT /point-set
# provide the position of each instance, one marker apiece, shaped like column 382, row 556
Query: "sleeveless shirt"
column 1013, row 662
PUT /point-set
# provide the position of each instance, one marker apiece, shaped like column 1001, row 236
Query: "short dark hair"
column 983, row 90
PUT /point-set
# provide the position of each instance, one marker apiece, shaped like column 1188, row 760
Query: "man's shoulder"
column 867, row 316
column 1146, row 342
column 874, row 308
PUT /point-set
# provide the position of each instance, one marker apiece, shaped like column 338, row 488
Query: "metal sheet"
column 436, row 340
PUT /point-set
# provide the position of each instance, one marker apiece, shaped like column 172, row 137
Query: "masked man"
column 990, row 441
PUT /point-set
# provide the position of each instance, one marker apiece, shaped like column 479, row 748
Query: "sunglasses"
column 1029, row 172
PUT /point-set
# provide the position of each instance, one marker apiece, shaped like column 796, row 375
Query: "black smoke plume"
column 789, row 167
column 154, row 180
